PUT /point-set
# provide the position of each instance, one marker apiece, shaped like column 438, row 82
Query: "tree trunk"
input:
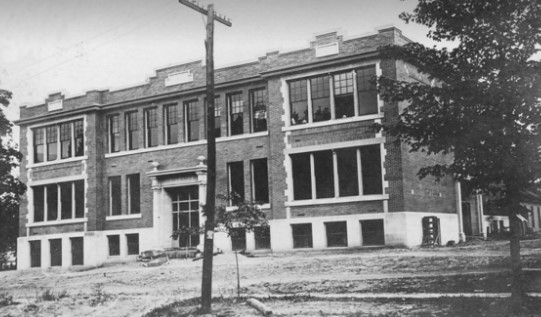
column 517, row 291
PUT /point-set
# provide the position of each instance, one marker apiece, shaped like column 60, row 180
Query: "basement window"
column 238, row 238
column 302, row 235
column 133, row 243
column 114, row 245
column 262, row 238
column 373, row 232
column 35, row 253
column 337, row 234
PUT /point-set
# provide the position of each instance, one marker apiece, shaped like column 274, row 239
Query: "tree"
column 10, row 187
column 482, row 110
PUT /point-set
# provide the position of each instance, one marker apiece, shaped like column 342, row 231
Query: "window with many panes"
column 258, row 109
column 151, row 127
column 114, row 133
column 337, row 173
column 114, row 196
column 58, row 141
column 191, row 115
column 171, row 124
column 59, row 201
column 132, row 131
column 339, row 95
column 134, row 188
column 235, row 114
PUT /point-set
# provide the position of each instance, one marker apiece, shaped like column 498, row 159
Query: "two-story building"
column 113, row 173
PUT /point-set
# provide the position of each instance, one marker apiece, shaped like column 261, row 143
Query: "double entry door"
column 186, row 215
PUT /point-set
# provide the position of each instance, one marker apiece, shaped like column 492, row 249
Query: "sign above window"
column 179, row 78
column 327, row 49
column 54, row 105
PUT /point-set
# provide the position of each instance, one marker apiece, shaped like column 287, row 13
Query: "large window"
column 151, row 127
column 132, row 131
column 235, row 114
column 236, row 181
column 134, row 204
column 258, row 106
column 59, row 141
column 191, row 115
column 336, row 173
column 114, row 133
column 171, row 124
column 59, row 201
column 114, row 196
column 339, row 95
column 260, row 181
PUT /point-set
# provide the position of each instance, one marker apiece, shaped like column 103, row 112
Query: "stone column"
column 162, row 232
column 480, row 214
column 202, row 182
column 458, row 196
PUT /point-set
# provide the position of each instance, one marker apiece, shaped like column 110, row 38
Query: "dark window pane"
column 192, row 121
column 39, row 203
column 134, row 194
column 114, row 195
column 151, row 121
column 371, row 170
column 114, row 134
column 348, row 181
column 55, row 246
column 77, row 251
column 114, row 245
column 79, row 138
column 66, row 200
column 323, row 166
column 235, row 108
column 236, row 180
column 302, row 184
column 238, row 238
column 367, row 91
column 260, row 180
column 262, row 238
column 52, row 202
column 298, row 97
column 39, row 141
column 79, row 199
column 133, row 243
column 65, row 140
column 321, row 102
column 302, row 235
column 373, row 232
column 132, row 129
column 52, row 143
column 35, row 253
column 337, row 234
column 171, row 124
column 344, row 106
column 258, row 101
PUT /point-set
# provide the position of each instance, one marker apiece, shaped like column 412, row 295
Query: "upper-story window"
column 191, row 115
column 235, row 114
column 217, row 117
column 114, row 133
column 258, row 107
column 171, row 124
column 339, row 95
column 132, row 131
column 59, row 201
column 58, row 141
column 151, row 127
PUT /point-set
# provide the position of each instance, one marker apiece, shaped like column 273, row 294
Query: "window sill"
column 262, row 207
column 332, row 122
column 61, row 161
column 339, row 200
column 56, row 223
column 123, row 217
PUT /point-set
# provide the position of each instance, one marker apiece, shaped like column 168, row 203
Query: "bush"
column 52, row 296
column 5, row 299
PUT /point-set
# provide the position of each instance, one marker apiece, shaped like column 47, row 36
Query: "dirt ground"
column 132, row 290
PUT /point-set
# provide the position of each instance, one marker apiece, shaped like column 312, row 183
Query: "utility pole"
column 206, row 283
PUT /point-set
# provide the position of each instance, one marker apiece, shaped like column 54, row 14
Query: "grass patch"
column 6, row 299
column 50, row 295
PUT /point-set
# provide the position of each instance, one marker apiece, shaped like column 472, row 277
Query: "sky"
column 73, row 46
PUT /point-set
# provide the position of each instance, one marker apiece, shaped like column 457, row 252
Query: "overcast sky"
column 72, row 46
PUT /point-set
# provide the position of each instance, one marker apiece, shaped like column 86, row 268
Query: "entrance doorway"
column 186, row 215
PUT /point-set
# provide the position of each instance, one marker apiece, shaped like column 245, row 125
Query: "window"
column 235, row 111
column 321, row 100
column 340, row 95
column 132, row 131
column 171, row 124
column 236, row 181
column 258, row 106
column 367, row 91
column 372, row 232
column 114, row 133
column 343, row 95
column 114, row 245
column 217, row 119
column 336, row 173
column 52, row 143
column 186, row 214
column 65, row 140
column 260, row 181
column 114, row 196
column 262, row 237
column 337, row 234
column 35, row 253
column 133, row 243
column 191, row 116
column 298, row 101
column 39, row 141
column 134, row 204
column 60, row 141
column 302, row 235
column 238, row 238
column 77, row 251
column 151, row 127
column 55, row 248
column 70, row 203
